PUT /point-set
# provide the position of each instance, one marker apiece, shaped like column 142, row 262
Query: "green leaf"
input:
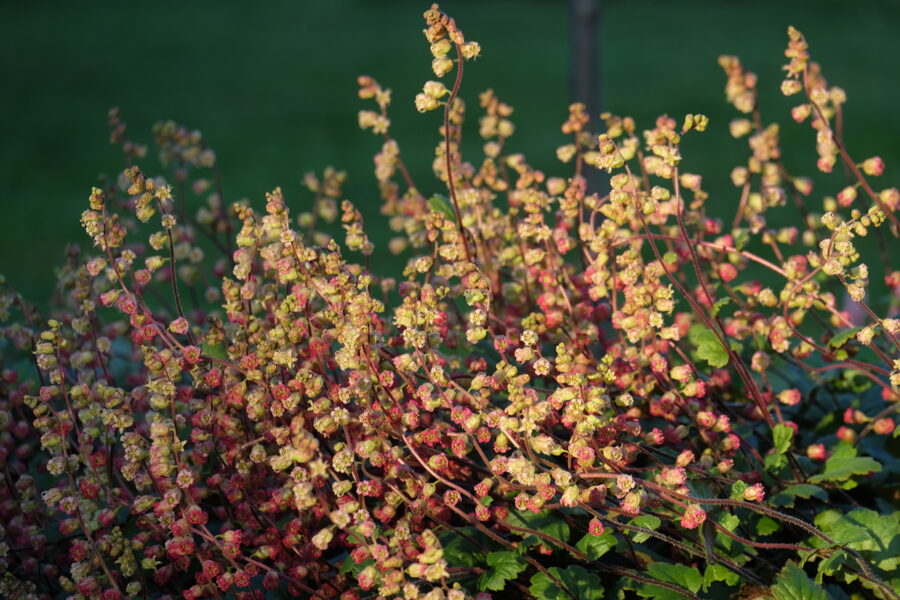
column 214, row 351
column 546, row 522
column 801, row 490
column 596, row 546
column 729, row 521
column 805, row 490
column 459, row 552
column 767, row 525
column 720, row 573
column 681, row 575
column 709, row 348
column 441, row 204
column 876, row 536
column 839, row 468
column 782, row 434
column 657, row 592
column 504, row 566
column 579, row 582
column 670, row 258
column 719, row 305
column 793, row 584
column 737, row 490
column 774, row 461
column 831, row 564
column 647, row 522
column 844, row 450
column 843, row 337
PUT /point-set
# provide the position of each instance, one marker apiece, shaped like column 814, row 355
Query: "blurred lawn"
column 272, row 86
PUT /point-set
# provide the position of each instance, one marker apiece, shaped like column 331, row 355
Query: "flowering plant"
column 566, row 395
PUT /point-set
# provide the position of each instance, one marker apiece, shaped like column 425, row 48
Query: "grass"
column 273, row 89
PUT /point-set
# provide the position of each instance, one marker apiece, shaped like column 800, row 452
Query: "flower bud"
column 873, row 166
column 693, row 517
column 789, row 87
column 755, row 493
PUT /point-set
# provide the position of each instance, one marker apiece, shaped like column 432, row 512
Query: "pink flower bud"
column 482, row 512
column 846, row 196
column 676, row 476
column 804, row 185
column 801, row 112
column 845, row 434
column 791, row 397
column 727, row 272
column 883, row 426
column 685, row 458
column 706, row 419
column 693, row 517
column 873, row 166
column 816, row 452
column 825, row 163
column 755, row 493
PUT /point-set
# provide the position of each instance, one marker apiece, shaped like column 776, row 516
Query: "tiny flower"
column 845, row 434
column 740, row 127
column 789, row 87
column 873, row 166
column 804, row 185
column 723, row 424
column 816, row 452
column 471, row 50
column 674, row 477
column 322, row 539
column 435, row 89
column 706, row 419
column 854, row 416
column 424, row 102
column 595, row 527
column 846, row 196
column 883, row 426
column 865, row 335
column 191, row 354
column 680, row 373
column 755, row 493
column 760, row 361
column 685, row 458
column 631, row 504
column 730, row 443
column 693, row 517
column 801, row 112
column 791, row 396
column 654, row 436
column 440, row 48
column 241, row 578
column 179, row 325
column 728, row 272
column 441, row 66
column 541, row 367
column 826, row 163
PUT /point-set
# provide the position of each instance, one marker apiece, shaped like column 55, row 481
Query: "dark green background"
column 272, row 86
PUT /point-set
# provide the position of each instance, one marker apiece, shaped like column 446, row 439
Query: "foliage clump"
column 567, row 394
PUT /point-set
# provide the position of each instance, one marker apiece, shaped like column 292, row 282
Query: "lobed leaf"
column 577, row 581
column 504, row 565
